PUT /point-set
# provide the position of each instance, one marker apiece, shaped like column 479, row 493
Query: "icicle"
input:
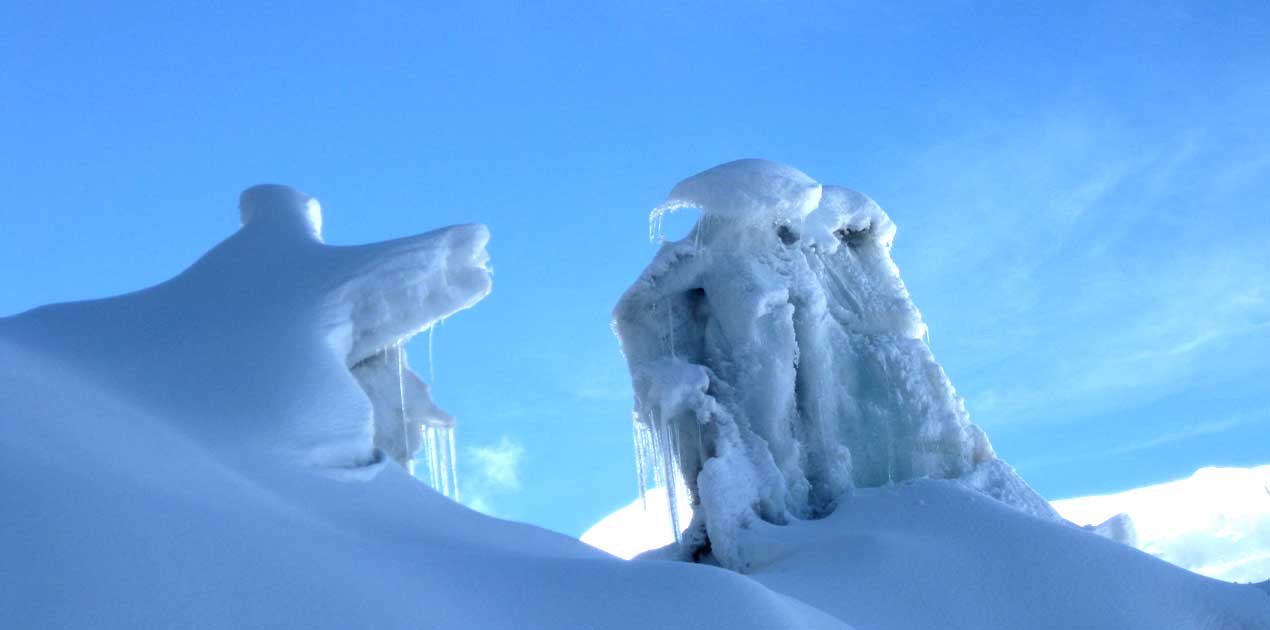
column 670, row 462
column 443, row 451
column 443, row 459
column 654, row 225
column 408, row 461
column 454, row 465
column 670, row 320
column 434, row 467
column 432, row 372
column 641, row 456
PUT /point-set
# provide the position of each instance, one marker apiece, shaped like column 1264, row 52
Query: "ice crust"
column 778, row 362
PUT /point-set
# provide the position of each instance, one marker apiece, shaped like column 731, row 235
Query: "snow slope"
column 1215, row 522
column 200, row 455
column 934, row 554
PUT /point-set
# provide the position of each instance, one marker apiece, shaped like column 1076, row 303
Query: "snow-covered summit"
column 778, row 362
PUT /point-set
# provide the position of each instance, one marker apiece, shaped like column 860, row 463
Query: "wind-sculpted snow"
column 778, row 361
column 275, row 340
column 141, row 484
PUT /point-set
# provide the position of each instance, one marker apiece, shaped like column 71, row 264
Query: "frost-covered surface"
column 199, row 455
column 1215, row 522
column 933, row 554
column 778, row 362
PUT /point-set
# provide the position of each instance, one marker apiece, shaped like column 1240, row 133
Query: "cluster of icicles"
column 437, row 458
column 657, row 464
column 437, row 453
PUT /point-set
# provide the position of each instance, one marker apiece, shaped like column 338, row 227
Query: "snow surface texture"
column 778, row 362
column 1216, row 522
column 198, row 455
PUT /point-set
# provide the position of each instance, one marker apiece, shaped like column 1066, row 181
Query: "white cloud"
column 498, row 465
column 494, row 470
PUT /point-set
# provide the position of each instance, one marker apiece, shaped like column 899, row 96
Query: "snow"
column 777, row 362
column 743, row 190
column 203, row 454
column 228, row 449
column 1215, row 522
column 935, row 554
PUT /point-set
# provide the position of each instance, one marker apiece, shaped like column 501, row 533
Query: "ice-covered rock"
column 778, row 361
column 285, row 343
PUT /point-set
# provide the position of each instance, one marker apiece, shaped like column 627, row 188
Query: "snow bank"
column 778, row 362
column 199, row 455
column 933, row 554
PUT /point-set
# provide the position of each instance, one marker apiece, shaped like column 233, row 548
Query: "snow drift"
column 778, row 362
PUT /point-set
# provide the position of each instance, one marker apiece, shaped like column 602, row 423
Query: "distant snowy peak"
column 778, row 362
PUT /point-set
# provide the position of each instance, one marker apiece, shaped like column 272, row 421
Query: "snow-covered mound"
column 1216, row 522
column 933, row 554
column 778, row 362
column 209, row 453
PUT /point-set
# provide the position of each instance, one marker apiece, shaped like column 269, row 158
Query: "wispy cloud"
column 494, row 471
column 1074, row 274
column 1187, row 433
column 1179, row 435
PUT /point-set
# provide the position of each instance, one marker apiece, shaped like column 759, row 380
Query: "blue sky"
column 1081, row 193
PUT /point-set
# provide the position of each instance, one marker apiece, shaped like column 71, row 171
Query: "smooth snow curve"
column 778, row 361
column 301, row 339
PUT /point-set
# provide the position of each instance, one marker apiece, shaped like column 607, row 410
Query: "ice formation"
column 303, row 340
column 778, row 362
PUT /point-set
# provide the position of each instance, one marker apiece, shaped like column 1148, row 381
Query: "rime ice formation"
column 778, row 362
column 302, row 340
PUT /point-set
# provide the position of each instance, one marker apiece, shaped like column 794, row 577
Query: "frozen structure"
column 289, row 329
column 778, row 363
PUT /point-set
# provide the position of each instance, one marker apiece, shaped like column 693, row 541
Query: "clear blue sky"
column 1081, row 193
